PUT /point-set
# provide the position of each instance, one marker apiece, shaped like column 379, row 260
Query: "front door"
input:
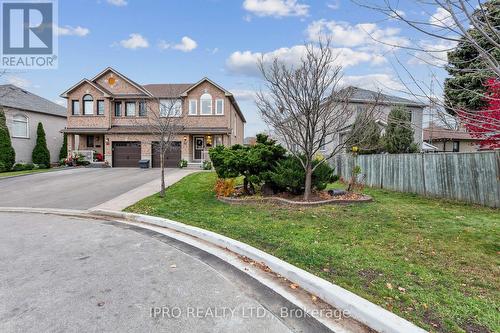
column 199, row 145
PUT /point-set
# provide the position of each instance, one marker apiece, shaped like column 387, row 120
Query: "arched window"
column 206, row 104
column 88, row 105
column 20, row 126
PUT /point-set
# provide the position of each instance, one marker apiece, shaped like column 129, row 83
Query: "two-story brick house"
column 105, row 114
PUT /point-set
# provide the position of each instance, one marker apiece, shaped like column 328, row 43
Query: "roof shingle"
column 18, row 98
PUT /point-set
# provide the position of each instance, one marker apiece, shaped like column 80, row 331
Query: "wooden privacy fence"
column 470, row 177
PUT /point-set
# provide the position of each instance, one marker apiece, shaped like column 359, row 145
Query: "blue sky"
column 183, row 41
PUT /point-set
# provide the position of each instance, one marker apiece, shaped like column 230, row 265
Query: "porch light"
column 209, row 140
column 185, row 138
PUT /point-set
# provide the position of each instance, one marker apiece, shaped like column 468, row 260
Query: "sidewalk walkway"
column 131, row 197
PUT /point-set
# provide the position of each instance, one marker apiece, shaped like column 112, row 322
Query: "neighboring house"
column 363, row 99
column 23, row 111
column 250, row 141
column 448, row 140
column 105, row 112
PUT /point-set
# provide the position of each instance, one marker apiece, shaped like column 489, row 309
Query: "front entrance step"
column 98, row 165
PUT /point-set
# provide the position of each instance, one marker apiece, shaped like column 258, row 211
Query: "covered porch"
column 199, row 142
column 88, row 144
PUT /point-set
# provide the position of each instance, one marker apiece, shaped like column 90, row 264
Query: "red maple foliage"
column 485, row 123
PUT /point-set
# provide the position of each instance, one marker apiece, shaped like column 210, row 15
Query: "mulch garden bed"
column 316, row 199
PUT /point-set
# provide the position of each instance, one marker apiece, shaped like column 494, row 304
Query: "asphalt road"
column 80, row 188
column 64, row 274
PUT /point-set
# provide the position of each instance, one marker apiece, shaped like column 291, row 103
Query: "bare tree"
column 306, row 106
column 163, row 123
column 473, row 23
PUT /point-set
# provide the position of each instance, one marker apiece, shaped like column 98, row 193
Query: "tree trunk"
column 162, row 190
column 245, row 185
column 308, row 185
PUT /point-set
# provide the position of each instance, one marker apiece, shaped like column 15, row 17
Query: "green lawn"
column 433, row 262
column 24, row 172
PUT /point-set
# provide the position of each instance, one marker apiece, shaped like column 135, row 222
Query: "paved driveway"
column 80, row 188
column 64, row 274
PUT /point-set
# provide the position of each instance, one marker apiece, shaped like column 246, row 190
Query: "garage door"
column 126, row 154
column 172, row 155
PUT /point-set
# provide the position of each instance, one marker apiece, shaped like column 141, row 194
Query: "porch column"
column 71, row 143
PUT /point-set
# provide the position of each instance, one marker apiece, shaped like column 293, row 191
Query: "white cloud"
column 362, row 34
column 398, row 13
column 213, row 51
column 18, row 81
column 163, row 45
column 186, row 45
column 333, row 4
column 384, row 82
column 119, row 3
column 441, row 18
column 433, row 53
column 135, row 41
column 245, row 62
column 244, row 94
column 68, row 30
column 276, row 8
column 60, row 102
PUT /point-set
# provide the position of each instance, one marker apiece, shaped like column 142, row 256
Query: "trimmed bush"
column 7, row 153
column 63, row 153
column 289, row 175
column 41, row 154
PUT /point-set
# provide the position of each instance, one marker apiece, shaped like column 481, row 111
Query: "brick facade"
column 112, row 87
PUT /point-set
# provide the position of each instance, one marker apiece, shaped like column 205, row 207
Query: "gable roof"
column 364, row 95
column 93, row 84
column 175, row 90
column 135, row 84
column 167, row 90
column 441, row 133
column 18, row 98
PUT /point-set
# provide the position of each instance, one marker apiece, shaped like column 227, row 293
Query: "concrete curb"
column 360, row 309
column 36, row 173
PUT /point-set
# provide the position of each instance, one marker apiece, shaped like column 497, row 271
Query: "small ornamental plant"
column 224, row 187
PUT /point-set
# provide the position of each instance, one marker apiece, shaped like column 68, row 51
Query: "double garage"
column 128, row 154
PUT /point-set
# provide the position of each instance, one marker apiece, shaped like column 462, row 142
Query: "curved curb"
column 282, row 201
column 359, row 308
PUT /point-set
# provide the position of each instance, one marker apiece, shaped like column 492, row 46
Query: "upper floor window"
column 193, row 107
column 75, row 107
column 219, row 106
column 100, row 107
column 206, row 104
column 130, row 109
column 20, row 126
column 170, row 108
column 118, row 109
column 88, row 105
column 142, row 109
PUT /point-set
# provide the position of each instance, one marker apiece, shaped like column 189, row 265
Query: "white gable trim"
column 141, row 88
column 65, row 94
column 205, row 79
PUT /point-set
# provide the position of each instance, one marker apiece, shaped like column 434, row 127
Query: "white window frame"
column 206, row 97
column 88, row 111
column 177, row 108
column 126, row 109
column 26, row 125
column 217, row 101
column 193, row 111
column 73, row 103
